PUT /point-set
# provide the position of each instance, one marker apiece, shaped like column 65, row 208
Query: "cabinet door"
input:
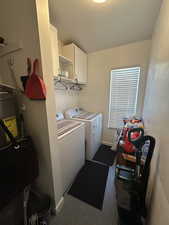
column 80, row 65
column 54, row 46
column 69, row 52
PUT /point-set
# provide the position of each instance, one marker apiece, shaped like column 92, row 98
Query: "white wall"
column 156, row 111
column 19, row 22
column 66, row 99
column 95, row 96
column 48, row 72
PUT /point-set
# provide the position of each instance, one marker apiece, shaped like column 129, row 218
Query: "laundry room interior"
column 84, row 112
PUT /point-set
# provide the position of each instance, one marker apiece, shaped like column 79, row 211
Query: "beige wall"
column 45, row 39
column 60, row 45
column 156, row 111
column 95, row 96
column 66, row 99
column 18, row 23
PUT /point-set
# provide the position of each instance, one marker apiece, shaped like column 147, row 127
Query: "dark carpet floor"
column 89, row 185
column 105, row 155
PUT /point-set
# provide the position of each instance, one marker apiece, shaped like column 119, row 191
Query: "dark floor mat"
column 105, row 155
column 89, row 185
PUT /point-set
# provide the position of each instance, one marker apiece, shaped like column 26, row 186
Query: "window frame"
column 110, row 87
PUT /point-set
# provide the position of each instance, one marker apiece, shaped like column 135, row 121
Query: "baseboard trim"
column 113, row 148
column 107, row 143
column 59, row 205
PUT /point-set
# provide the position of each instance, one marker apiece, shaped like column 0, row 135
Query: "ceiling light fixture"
column 99, row 1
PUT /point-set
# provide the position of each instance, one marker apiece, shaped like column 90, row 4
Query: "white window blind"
column 123, row 95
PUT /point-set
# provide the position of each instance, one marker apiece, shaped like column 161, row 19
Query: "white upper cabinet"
column 79, row 59
column 55, row 51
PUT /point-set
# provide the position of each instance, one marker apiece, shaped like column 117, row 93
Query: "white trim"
column 113, row 147
column 107, row 143
column 110, row 122
column 59, row 205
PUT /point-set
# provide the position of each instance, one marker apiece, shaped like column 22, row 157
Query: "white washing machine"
column 93, row 131
column 71, row 138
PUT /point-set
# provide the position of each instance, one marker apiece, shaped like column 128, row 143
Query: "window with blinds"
column 124, row 85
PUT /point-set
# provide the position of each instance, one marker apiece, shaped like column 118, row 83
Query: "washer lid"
column 86, row 116
column 66, row 126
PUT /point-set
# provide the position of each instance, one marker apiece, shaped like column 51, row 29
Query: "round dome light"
column 99, row 1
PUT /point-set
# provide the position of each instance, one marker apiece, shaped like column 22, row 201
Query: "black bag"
column 18, row 166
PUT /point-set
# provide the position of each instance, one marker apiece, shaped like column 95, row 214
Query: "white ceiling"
column 98, row 26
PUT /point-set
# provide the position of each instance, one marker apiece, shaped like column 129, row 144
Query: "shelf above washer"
column 65, row 79
column 10, row 48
